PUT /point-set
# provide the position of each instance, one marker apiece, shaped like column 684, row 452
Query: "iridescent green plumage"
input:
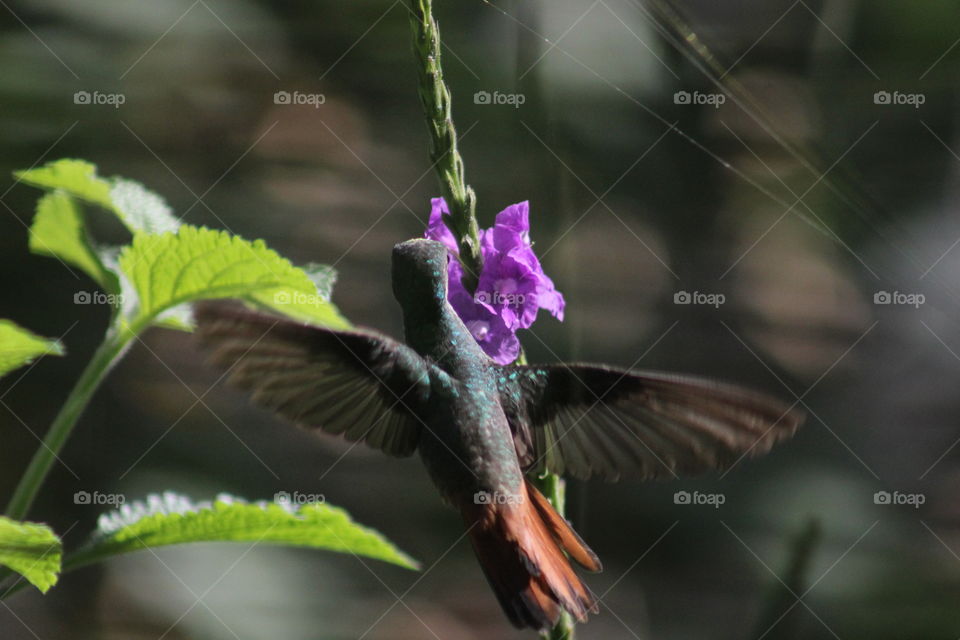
column 479, row 426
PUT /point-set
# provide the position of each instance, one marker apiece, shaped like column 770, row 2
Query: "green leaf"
column 141, row 209
column 174, row 519
column 58, row 230
column 32, row 550
column 179, row 318
column 138, row 208
column 197, row 263
column 166, row 266
column 76, row 177
column 19, row 347
column 323, row 276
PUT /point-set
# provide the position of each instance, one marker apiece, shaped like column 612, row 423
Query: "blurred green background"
column 635, row 197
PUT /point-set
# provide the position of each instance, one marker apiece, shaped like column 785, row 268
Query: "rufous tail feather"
column 520, row 544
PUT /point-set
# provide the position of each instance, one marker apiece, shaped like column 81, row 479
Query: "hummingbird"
column 483, row 430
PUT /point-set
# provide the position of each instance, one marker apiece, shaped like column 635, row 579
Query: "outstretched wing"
column 360, row 384
column 592, row 420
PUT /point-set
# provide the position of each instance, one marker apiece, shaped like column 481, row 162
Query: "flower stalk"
column 461, row 203
column 446, row 158
column 555, row 489
column 106, row 355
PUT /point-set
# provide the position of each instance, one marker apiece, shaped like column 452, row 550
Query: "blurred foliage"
column 32, row 550
column 19, row 347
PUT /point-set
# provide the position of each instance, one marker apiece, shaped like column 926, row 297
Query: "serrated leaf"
column 138, row 208
column 76, row 177
column 165, row 270
column 19, row 346
column 141, row 209
column 323, row 276
column 171, row 518
column 32, row 550
column 179, row 318
column 58, row 230
column 197, row 263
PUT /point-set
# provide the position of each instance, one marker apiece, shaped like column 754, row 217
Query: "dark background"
column 713, row 209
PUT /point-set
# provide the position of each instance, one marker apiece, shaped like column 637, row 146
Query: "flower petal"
column 437, row 228
column 512, row 287
column 552, row 300
column 503, row 348
column 516, row 217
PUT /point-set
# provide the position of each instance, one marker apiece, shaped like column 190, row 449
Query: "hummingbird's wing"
column 357, row 383
column 593, row 420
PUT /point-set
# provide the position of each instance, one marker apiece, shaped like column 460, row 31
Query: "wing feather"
column 596, row 421
column 358, row 384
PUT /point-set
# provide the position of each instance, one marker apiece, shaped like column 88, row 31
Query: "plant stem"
column 783, row 594
column 109, row 351
column 555, row 489
column 461, row 200
column 436, row 101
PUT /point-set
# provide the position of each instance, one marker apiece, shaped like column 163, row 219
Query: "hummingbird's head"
column 420, row 273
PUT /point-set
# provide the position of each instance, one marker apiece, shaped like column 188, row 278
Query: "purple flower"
column 488, row 329
column 437, row 229
column 512, row 286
